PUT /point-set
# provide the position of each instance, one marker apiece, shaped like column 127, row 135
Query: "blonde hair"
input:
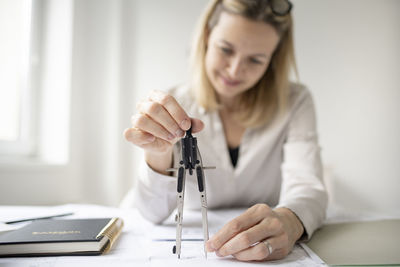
column 268, row 98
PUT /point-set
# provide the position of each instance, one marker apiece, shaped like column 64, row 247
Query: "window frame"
column 46, row 103
column 26, row 144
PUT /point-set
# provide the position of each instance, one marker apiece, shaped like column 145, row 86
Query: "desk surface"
column 137, row 246
column 358, row 243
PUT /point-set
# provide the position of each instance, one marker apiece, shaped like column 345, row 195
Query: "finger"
column 138, row 137
column 197, row 125
column 243, row 222
column 146, row 124
column 172, row 106
column 260, row 251
column 146, row 141
column 157, row 146
column 266, row 228
column 157, row 112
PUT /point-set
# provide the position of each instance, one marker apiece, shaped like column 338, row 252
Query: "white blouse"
column 278, row 164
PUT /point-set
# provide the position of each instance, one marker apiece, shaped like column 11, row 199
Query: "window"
column 35, row 81
column 15, row 90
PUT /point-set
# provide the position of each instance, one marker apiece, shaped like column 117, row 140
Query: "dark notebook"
column 61, row 237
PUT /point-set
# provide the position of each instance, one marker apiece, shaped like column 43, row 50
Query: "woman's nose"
column 235, row 67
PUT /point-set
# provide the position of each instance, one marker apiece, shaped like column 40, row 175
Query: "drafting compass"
column 190, row 161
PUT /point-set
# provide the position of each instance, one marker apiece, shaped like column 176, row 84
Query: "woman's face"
column 238, row 53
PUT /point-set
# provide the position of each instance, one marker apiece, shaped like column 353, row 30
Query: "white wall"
column 162, row 42
column 348, row 54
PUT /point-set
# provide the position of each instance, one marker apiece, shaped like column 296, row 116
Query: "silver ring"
column 269, row 247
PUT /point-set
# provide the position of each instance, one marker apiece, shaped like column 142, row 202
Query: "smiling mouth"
column 229, row 82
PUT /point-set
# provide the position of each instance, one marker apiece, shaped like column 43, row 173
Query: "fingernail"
column 179, row 133
column 218, row 254
column 170, row 136
column 185, row 124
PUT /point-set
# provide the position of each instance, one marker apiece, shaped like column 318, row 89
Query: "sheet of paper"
column 192, row 252
column 192, row 255
column 7, row 227
column 12, row 213
column 192, row 224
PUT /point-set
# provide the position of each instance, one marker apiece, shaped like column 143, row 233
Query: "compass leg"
column 203, row 200
column 179, row 214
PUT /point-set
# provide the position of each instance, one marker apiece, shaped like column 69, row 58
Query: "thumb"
column 197, row 125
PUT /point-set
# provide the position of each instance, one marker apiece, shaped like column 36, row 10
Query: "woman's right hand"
column 158, row 125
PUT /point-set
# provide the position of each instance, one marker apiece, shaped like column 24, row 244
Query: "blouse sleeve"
column 155, row 194
column 302, row 189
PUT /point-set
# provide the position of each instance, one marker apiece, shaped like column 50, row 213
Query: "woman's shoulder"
column 298, row 90
column 299, row 94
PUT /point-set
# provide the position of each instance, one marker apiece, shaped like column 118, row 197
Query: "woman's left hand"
column 243, row 236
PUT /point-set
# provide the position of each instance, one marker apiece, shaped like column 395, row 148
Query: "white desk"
column 137, row 246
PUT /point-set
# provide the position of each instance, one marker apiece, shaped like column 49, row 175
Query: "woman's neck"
column 233, row 130
column 229, row 104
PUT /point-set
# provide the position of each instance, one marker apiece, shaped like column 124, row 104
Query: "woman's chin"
column 228, row 91
column 226, row 94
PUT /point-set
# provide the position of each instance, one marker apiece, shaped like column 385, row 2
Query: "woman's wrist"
column 159, row 162
column 295, row 225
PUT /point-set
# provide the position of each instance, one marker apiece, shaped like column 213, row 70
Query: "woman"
column 255, row 126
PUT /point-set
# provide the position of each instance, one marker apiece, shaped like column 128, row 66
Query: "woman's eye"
column 255, row 61
column 226, row 51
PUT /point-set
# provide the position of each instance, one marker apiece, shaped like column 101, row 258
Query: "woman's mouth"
column 229, row 82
